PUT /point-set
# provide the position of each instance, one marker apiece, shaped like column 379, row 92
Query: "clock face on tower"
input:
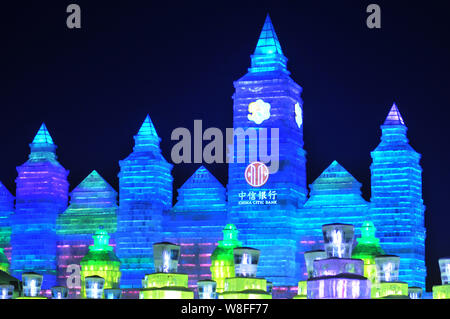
column 298, row 115
column 259, row 111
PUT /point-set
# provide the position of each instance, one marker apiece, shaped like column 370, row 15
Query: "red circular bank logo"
column 256, row 174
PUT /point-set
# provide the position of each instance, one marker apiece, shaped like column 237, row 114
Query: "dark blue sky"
column 177, row 62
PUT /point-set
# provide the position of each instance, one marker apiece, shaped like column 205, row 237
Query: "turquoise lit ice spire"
column 397, row 208
column 268, row 55
column 147, row 136
column 43, row 136
column 42, row 147
column 145, row 191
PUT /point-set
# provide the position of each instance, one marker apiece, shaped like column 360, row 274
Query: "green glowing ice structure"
column 443, row 291
column 338, row 276
column 93, row 203
column 101, row 261
column 222, row 259
column 4, row 262
column 245, row 285
column 388, row 284
column 166, row 283
column 367, row 249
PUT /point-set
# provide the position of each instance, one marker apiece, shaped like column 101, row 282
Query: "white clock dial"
column 259, row 111
column 298, row 115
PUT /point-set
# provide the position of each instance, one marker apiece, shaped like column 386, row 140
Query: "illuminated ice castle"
column 46, row 233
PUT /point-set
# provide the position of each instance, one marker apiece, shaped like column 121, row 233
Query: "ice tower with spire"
column 267, row 98
column 145, row 192
column 41, row 194
column 397, row 208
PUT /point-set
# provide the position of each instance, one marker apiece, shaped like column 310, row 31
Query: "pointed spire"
column 42, row 147
column 147, row 128
column 147, row 136
column 43, row 136
column 268, row 55
column 268, row 41
column 394, row 117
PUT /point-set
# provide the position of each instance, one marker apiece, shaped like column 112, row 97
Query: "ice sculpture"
column 222, row 259
column 60, row 292
column 367, row 249
column 6, row 210
column 443, row 291
column 100, row 261
column 269, row 228
column 245, row 285
column 396, row 204
column 335, row 198
column 145, row 190
column 94, row 286
column 41, row 194
column 388, row 284
column 32, row 284
column 207, row 289
column 166, row 283
column 195, row 223
column 93, row 203
column 338, row 276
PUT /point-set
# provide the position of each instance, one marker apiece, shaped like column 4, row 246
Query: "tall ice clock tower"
column 267, row 98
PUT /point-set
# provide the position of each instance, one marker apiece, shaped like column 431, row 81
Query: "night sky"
column 177, row 62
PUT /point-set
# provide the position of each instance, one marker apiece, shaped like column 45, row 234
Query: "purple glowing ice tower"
column 41, row 194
